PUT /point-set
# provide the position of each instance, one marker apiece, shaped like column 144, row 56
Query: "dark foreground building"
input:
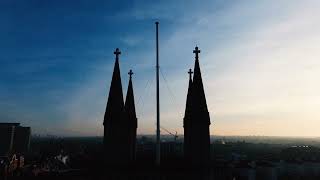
column 120, row 122
column 130, row 112
column 14, row 138
column 196, row 121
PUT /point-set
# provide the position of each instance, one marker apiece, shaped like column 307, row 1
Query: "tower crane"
column 175, row 136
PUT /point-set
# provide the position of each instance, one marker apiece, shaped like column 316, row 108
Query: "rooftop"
column 9, row 124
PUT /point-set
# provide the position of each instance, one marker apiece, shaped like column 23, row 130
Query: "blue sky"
column 259, row 59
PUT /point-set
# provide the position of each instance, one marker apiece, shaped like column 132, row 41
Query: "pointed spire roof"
column 115, row 102
column 188, row 102
column 198, row 95
column 129, row 104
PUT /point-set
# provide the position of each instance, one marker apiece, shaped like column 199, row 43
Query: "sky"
column 260, row 63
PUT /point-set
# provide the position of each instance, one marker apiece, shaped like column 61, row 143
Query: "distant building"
column 196, row 121
column 14, row 138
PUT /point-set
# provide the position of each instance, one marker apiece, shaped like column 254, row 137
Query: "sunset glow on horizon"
column 260, row 64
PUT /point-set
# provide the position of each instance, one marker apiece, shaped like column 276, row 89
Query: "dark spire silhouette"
column 130, row 111
column 199, row 97
column 115, row 102
column 188, row 102
column 187, row 116
column 114, row 136
column 197, row 119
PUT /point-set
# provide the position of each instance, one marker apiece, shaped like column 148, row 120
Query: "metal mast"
column 158, row 103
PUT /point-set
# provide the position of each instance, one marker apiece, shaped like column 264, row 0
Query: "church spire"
column 114, row 140
column 188, row 118
column 200, row 103
column 115, row 102
column 130, row 111
column 129, row 104
column 188, row 102
column 196, row 120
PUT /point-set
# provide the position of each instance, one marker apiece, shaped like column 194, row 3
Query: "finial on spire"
column 130, row 73
column 117, row 52
column 190, row 73
column 196, row 51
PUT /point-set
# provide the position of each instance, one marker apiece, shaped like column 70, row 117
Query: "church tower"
column 116, row 144
column 187, row 118
column 197, row 119
column 131, row 116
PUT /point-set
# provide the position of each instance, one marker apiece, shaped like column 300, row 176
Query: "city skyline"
column 259, row 63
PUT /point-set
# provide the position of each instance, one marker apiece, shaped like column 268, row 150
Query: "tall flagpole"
column 158, row 103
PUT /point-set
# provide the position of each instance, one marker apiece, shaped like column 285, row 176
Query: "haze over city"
column 259, row 61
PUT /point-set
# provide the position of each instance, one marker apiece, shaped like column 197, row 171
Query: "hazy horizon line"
column 269, row 136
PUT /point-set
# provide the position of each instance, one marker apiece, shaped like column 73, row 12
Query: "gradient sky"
column 260, row 63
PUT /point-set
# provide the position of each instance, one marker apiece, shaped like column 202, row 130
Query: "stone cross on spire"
column 196, row 51
column 117, row 53
column 190, row 73
column 130, row 73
